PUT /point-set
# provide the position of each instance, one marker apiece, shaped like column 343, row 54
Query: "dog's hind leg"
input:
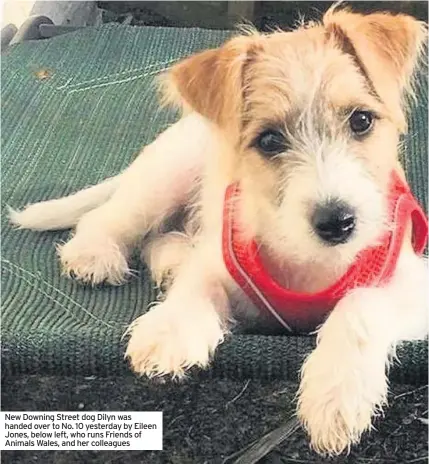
column 164, row 254
column 156, row 184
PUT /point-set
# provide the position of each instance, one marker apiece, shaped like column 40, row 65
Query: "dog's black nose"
column 334, row 222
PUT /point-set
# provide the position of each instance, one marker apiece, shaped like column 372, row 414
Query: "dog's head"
column 314, row 117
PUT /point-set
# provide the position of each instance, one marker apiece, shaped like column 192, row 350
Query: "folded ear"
column 387, row 47
column 212, row 82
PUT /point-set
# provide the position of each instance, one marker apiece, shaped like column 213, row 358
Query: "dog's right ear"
column 212, row 82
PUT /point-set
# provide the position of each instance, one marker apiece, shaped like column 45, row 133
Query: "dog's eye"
column 361, row 122
column 270, row 142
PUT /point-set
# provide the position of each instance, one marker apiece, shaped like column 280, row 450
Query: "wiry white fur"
column 164, row 340
column 344, row 381
column 185, row 329
column 319, row 167
column 327, row 170
column 94, row 259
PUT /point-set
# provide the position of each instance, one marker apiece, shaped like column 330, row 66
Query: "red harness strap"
column 303, row 312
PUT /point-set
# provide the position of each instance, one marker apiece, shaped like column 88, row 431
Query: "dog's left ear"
column 386, row 46
column 212, row 82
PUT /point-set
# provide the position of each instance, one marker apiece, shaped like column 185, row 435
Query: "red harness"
column 303, row 312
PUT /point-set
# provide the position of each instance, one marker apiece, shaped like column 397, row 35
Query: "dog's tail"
column 65, row 212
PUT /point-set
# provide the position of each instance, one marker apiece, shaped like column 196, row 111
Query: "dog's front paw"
column 168, row 341
column 338, row 397
column 93, row 260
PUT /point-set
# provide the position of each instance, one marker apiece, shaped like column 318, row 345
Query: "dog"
column 307, row 123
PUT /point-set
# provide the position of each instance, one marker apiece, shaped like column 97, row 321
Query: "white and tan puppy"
column 298, row 119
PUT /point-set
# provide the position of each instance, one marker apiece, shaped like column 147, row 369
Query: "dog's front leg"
column 185, row 329
column 344, row 379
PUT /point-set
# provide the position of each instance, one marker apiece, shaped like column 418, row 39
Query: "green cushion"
column 76, row 109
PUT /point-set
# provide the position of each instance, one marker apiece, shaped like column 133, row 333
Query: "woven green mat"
column 76, row 109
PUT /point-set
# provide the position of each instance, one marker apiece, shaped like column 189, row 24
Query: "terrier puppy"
column 306, row 126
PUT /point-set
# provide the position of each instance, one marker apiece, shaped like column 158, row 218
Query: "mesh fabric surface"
column 76, row 109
